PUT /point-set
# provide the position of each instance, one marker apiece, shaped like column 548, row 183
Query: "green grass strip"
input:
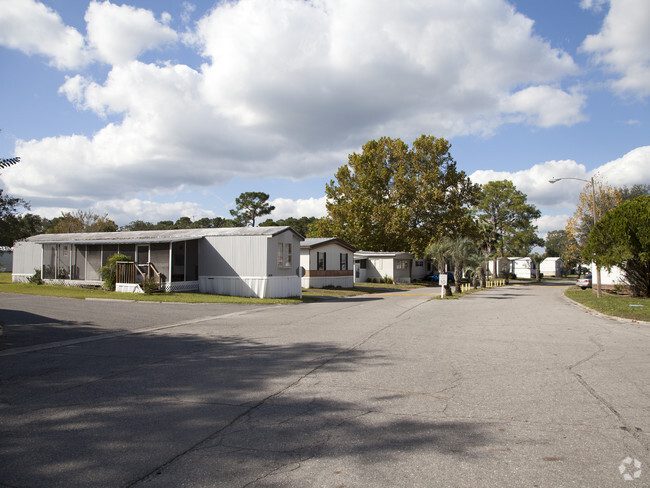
column 6, row 286
column 623, row 306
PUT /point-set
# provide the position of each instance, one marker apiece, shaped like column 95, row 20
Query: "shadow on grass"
column 112, row 412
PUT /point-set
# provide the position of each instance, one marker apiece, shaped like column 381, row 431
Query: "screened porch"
column 176, row 262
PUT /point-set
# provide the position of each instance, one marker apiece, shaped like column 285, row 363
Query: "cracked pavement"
column 511, row 386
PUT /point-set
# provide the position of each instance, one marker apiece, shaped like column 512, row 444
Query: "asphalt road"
column 507, row 387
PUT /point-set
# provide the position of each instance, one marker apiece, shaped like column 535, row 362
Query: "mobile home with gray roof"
column 257, row 262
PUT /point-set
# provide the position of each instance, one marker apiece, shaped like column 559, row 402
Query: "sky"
column 157, row 109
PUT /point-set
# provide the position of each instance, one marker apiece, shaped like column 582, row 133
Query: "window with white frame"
column 284, row 254
column 321, row 261
column 401, row 264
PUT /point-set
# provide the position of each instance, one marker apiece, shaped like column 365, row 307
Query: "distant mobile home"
column 6, row 259
column 523, row 267
column 257, row 262
column 551, row 267
column 327, row 262
column 609, row 279
column 369, row 265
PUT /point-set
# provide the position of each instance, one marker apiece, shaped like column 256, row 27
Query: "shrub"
column 150, row 285
column 108, row 273
column 35, row 279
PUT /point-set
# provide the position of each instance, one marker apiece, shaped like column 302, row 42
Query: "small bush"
column 150, row 285
column 35, row 279
column 108, row 272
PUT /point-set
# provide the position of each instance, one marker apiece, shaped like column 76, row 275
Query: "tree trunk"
column 458, row 275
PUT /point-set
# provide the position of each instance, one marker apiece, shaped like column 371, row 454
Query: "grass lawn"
column 6, row 286
column 609, row 304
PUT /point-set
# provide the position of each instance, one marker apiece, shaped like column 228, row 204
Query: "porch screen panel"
column 192, row 261
column 63, row 262
column 93, row 262
column 178, row 261
column 49, row 261
column 159, row 255
column 128, row 250
column 109, row 250
column 78, row 271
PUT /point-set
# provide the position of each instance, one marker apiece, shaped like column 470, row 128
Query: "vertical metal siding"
column 27, row 257
column 234, row 256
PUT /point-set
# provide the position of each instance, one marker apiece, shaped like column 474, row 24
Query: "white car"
column 584, row 282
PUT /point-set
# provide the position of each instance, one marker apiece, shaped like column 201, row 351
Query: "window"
column 321, row 261
column 284, row 254
column 419, row 263
column 401, row 264
column 343, row 261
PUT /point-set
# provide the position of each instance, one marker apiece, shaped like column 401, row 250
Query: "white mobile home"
column 502, row 267
column 551, row 267
column 327, row 262
column 6, row 259
column 375, row 266
column 240, row 261
column 608, row 279
column 523, row 267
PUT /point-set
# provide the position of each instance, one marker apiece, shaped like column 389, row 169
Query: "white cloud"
column 119, row 34
column 631, row 169
column 596, row 5
column 289, row 88
column 547, row 223
column 33, row 28
column 545, row 106
column 362, row 68
column 622, row 45
column 125, row 211
column 534, row 182
column 310, row 207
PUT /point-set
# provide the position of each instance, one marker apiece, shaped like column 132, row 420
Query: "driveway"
column 512, row 386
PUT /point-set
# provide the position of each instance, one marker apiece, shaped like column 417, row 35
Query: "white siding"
column 551, row 267
column 333, row 252
column 233, row 256
column 27, row 257
column 272, row 263
column 610, row 278
column 248, row 266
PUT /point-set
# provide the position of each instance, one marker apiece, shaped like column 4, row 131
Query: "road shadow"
column 23, row 329
column 111, row 412
column 562, row 283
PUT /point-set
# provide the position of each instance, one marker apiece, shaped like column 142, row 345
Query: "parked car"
column 435, row 278
column 584, row 282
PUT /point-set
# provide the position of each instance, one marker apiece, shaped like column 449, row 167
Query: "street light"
column 599, row 292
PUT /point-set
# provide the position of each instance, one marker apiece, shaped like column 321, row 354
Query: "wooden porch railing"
column 130, row 272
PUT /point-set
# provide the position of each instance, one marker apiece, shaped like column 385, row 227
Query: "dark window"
column 321, row 261
column 343, row 261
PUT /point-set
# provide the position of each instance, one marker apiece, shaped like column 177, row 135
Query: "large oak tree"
column 395, row 198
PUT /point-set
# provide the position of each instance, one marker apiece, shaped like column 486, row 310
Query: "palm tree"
column 477, row 262
column 462, row 249
column 439, row 252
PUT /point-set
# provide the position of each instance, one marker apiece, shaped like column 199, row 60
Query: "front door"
column 142, row 255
